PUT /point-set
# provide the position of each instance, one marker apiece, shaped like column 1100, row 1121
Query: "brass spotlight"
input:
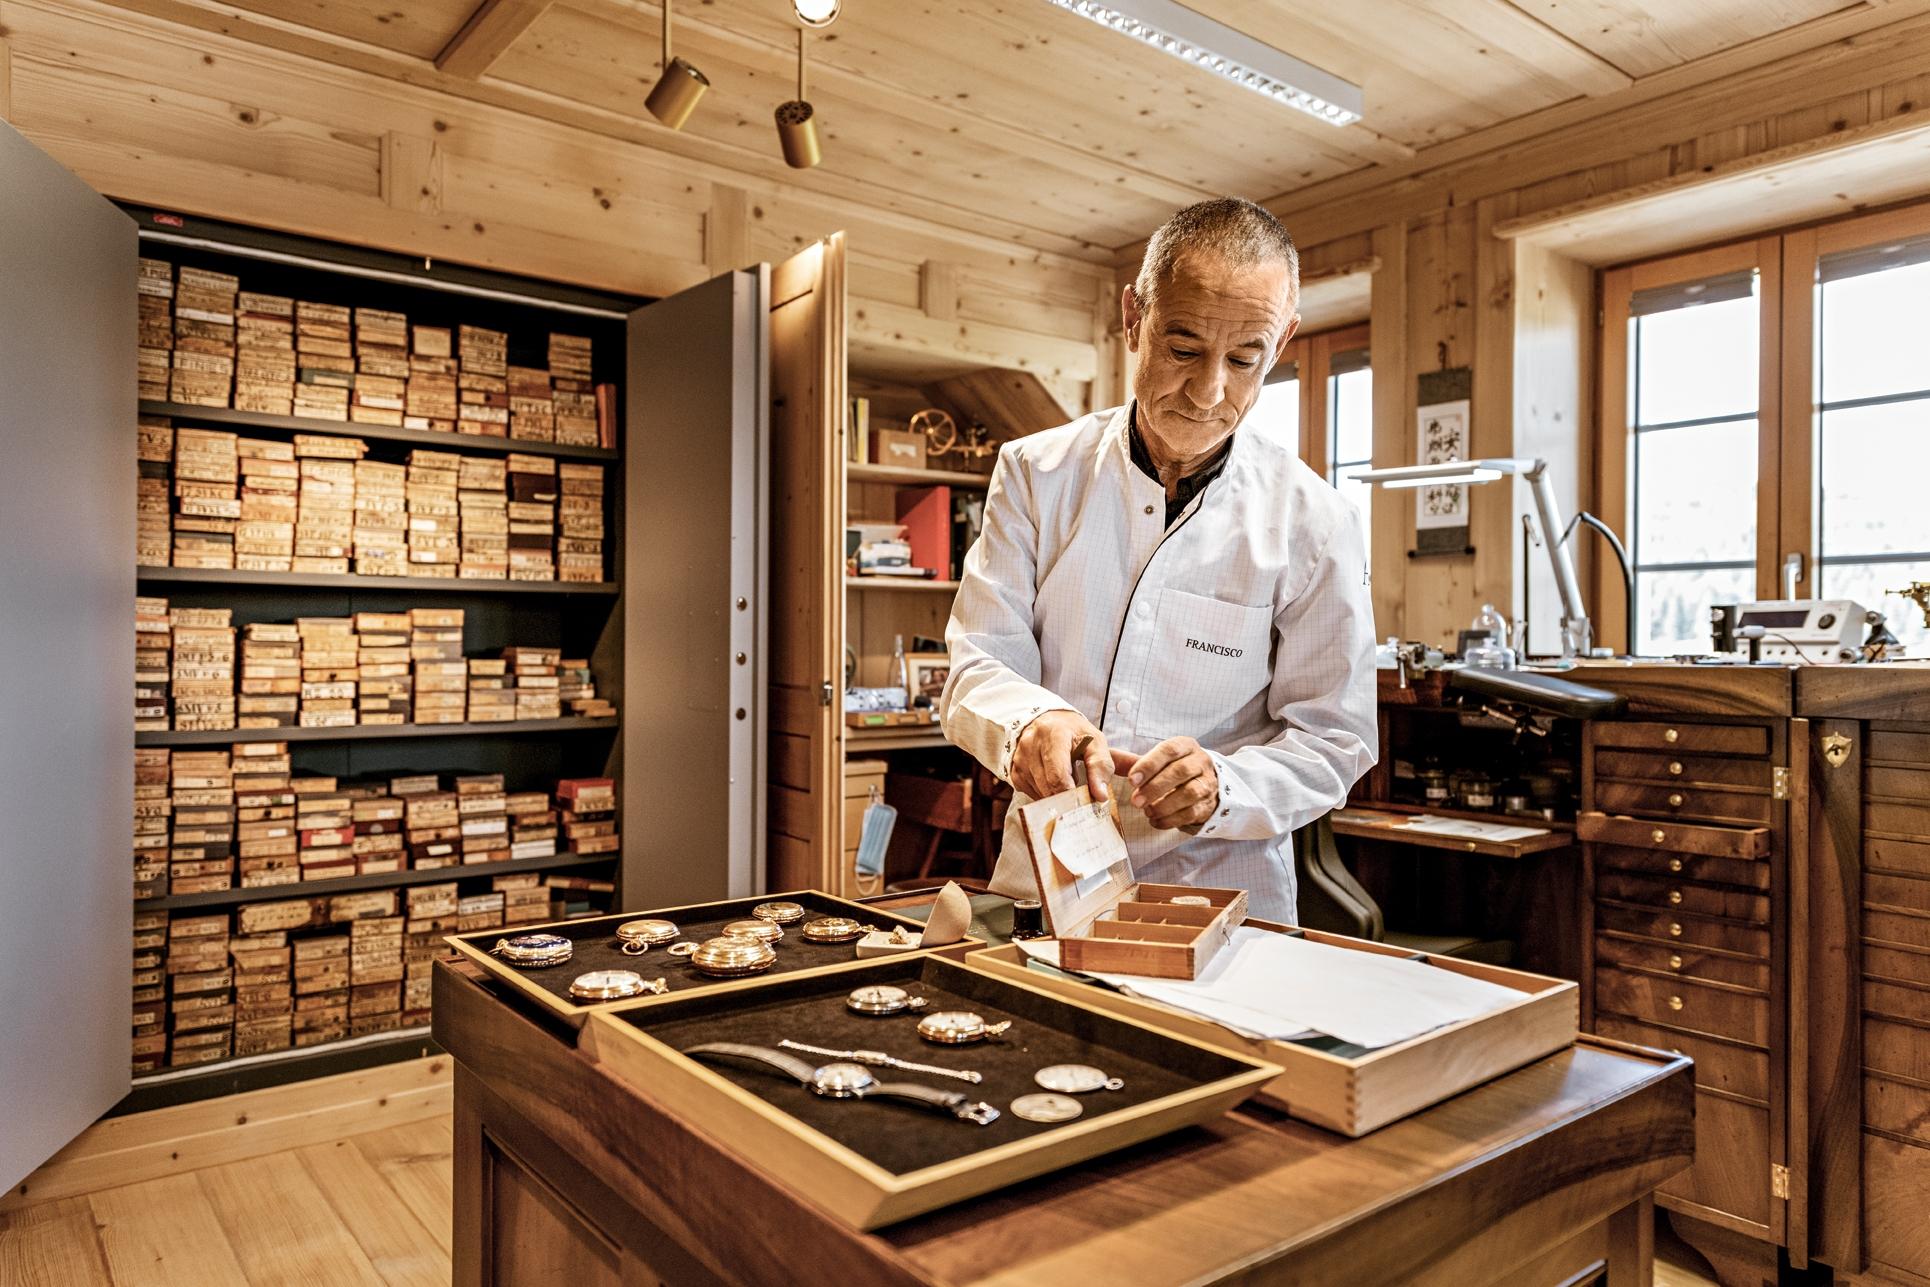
column 797, row 124
column 679, row 89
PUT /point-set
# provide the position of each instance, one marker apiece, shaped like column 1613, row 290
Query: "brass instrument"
column 943, row 438
column 1918, row 592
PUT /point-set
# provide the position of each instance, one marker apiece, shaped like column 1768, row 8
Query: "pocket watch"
column 534, row 951
column 760, row 931
column 851, row 1081
column 1076, row 1079
column 731, row 956
column 782, row 912
column 1047, row 1108
column 640, row 936
column 833, row 929
column 959, row 1027
column 882, row 998
column 614, row 985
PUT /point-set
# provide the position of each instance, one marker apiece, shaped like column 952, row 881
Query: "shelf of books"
column 377, row 641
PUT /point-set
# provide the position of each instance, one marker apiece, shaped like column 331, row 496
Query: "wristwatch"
column 851, row 1081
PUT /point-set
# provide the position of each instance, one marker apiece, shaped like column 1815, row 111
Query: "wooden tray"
column 1114, row 925
column 869, row 1164
column 1344, row 1088
column 597, row 949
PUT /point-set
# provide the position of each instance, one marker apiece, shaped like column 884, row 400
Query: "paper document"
column 1468, row 829
column 1279, row 987
column 1086, row 840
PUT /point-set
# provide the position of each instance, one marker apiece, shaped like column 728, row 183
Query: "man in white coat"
column 1176, row 590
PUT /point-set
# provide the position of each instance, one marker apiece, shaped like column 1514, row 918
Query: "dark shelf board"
column 255, row 1072
column 372, row 732
column 261, row 423
column 331, row 581
column 375, row 880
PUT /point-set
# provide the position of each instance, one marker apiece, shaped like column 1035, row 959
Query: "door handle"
column 1793, row 565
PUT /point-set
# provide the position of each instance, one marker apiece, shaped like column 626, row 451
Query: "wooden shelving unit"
column 585, row 619
column 899, row 584
column 857, row 473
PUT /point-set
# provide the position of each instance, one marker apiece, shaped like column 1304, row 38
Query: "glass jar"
column 1477, row 791
column 1434, row 785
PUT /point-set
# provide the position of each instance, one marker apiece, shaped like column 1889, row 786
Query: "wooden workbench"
column 565, row 1174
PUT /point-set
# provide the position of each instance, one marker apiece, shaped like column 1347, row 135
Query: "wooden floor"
column 367, row 1209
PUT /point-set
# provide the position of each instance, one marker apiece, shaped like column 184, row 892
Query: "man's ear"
column 1286, row 338
column 1131, row 315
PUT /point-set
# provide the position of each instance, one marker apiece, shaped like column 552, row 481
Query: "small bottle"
column 1028, row 919
column 900, row 671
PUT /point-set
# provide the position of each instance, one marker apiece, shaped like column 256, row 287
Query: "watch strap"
column 945, row 1101
column 799, row 1070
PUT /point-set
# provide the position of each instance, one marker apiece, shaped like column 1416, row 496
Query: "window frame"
column 1314, row 356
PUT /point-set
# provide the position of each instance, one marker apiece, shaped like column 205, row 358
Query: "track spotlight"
column 677, row 92
column 816, row 13
column 797, row 125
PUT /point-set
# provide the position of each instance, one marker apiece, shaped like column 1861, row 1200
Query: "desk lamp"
column 1576, row 631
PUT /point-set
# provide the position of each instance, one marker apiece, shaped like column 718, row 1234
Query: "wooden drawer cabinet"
column 1695, row 1007
column 1684, row 895
column 1714, row 842
column 1689, row 962
column 1895, row 927
column 1686, row 770
column 1895, row 1048
column 1897, row 1107
column 1694, row 803
column 1690, row 739
column 1894, row 1001
column 1751, row 873
column 1731, row 1171
column 1719, row 1065
column 1678, row 927
column 1896, row 963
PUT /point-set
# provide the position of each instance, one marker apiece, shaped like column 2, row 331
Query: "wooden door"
column 67, row 415
column 807, row 565
column 693, row 606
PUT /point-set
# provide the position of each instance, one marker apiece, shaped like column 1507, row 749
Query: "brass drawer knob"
column 1675, row 799
column 1675, row 864
column 1671, row 735
column 1658, row 835
column 1675, row 768
column 1675, row 897
column 1675, row 929
column 1675, row 1003
column 1675, row 961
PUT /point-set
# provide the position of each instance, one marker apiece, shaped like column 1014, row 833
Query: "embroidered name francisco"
column 1201, row 645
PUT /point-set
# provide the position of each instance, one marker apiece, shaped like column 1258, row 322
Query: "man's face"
column 1205, row 347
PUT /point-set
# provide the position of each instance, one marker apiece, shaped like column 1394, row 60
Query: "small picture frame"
column 926, row 673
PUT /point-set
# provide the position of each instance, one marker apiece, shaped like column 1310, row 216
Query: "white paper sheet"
column 1278, row 987
column 1468, row 829
column 1086, row 840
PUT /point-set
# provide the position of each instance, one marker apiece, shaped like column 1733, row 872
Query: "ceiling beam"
column 491, row 29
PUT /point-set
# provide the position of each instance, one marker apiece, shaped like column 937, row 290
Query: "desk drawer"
column 1731, row 1171
column 1692, row 770
column 1682, row 837
column 1695, row 803
column 1718, row 1065
column 1749, row 873
column 1897, row 855
column 1910, row 748
column 1906, row 892
column 1678, row 959
column 1684, row 895
column 1897, row 819
column 1897, row 1108
column 1897, row 1049
column 1690, row 739
column 1895, row 963
column 1695, row 1007
column 1901, row 784
column 1894, row 927
column 1674, row 927
column 1894, row 1001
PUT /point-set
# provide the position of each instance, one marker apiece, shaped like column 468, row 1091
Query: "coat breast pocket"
column 1209, row 659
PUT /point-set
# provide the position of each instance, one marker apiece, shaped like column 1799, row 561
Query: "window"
column 1320, row 398
column 1350, row 428
column 1277, row 413
column 1765, row 427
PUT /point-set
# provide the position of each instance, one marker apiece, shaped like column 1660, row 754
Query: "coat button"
column 1149, row 509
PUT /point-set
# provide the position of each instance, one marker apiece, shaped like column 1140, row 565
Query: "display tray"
column 1352, row 1089
column 596, row 948
column 873, row 1162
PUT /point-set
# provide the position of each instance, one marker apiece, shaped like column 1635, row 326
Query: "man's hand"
column 1175, row 783
column 1042, row 761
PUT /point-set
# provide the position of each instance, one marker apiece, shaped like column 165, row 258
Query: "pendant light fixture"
column 678, row 90
column 797, row 125
column 816, row 13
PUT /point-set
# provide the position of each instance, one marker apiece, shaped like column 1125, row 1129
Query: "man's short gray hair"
column 1231, row 229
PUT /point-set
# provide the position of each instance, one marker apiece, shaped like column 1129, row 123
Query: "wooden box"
column 870, row 1163
column 1109, row 923
column 1348, row 1089
column 597, row 948
column 898, row 449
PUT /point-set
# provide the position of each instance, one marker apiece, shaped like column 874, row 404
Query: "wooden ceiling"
column 1017, row 117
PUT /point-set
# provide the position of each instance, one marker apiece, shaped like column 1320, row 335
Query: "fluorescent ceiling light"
column 1215, row 47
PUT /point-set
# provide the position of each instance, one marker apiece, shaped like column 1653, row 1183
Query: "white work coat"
column 1245, row 624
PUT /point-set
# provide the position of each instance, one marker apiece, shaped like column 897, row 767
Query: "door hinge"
column 824, row 695
column 1779, row 784
column 1779, row 1180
